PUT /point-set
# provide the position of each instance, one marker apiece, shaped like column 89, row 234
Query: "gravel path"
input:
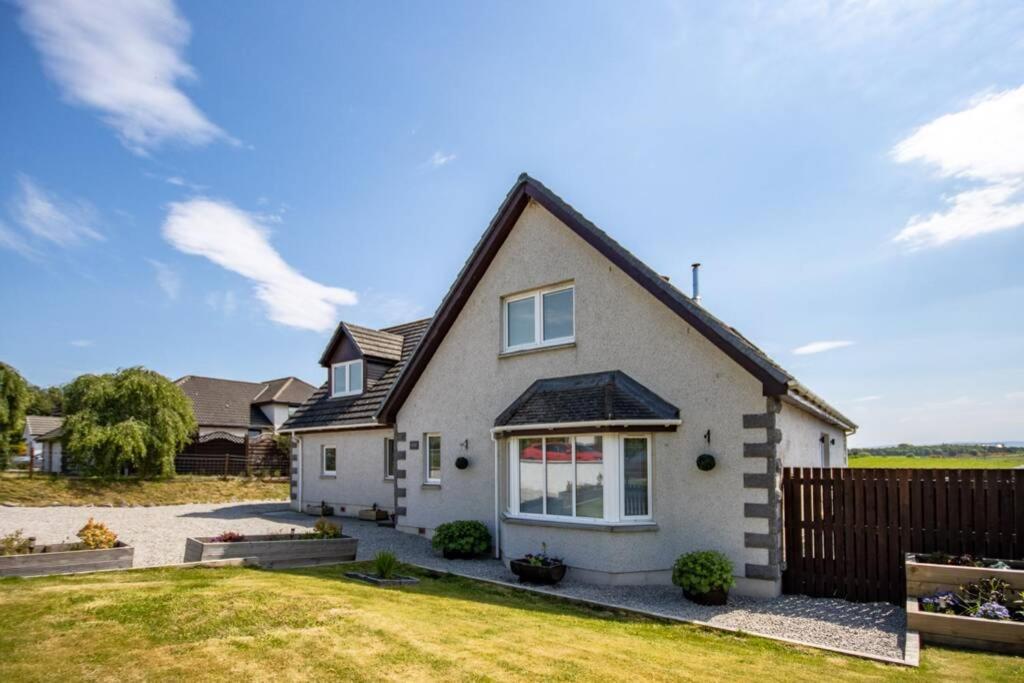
column 158, row 535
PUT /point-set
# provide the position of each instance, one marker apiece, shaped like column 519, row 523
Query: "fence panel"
column 846, row 530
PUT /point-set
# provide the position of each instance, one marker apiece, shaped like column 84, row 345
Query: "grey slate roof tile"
column 231, row 403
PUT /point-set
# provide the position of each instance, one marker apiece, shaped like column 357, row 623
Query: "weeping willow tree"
column 133, row 420
column 13, row 400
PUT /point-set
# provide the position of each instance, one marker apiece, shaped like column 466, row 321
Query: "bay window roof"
column 610, row 398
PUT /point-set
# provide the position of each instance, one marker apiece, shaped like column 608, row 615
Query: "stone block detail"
column 295, row 496
column 400, row 437
column 751, row 540
column 757, row 510
column 762, row 571
column 757, row 481
column 759, row 421
column 399, row 455
column 758, row 450
column 400, row 510
column 400, row 493
column 399, row 474
column 773, row 436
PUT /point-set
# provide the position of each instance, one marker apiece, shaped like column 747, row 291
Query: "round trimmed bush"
column 464, row 537
column 703, row 571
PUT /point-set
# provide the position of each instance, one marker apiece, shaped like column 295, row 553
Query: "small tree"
column 132, row 418
column 13, row 399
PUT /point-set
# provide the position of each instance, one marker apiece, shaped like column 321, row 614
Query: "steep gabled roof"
column 231, row 403
column 41, row 424
column 322, row 411
column 371, row 343
column 594, row 397
column 774, row 380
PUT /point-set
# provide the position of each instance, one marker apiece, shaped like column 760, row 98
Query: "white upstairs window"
column 347, row 378
column 544, row 317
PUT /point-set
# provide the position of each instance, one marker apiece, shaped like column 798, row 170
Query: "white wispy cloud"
column 983, row 145
column 125, row 59
column 81, row 343
column 168, row 279
column 238, row 241
column 866, row 399
column 225, row 303
column 1015, row 396
column 820, row 347
column 9, row 239
column 44, row 216
column 439, row 159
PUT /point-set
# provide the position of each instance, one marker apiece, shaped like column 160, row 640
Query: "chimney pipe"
column 696, row 283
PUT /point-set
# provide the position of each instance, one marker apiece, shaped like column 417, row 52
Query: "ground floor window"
column 389, row 458
column 603, row 477
column 329, row 460
column 433, row 459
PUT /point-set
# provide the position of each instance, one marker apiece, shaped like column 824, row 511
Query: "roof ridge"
column 220, row 379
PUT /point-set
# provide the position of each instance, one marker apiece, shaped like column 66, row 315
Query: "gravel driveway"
column 158, row 535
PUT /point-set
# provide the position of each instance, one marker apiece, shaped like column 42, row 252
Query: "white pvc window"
column 598, row 477
column 433, row 459
column 347, row 378
column 544, row 317
column 328, row 460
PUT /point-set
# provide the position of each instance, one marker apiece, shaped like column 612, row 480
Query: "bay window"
column 598, row 477
column 544, row 317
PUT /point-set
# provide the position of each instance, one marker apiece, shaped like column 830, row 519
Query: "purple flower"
column 993, row 610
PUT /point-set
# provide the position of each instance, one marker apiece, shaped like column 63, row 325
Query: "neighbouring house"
column 37, row 426
column 563, row 394
column 237, row 421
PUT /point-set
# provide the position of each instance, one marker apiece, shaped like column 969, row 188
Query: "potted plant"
column 539, row 568
column 385, row 572
column 705, row 577
column 461, row 540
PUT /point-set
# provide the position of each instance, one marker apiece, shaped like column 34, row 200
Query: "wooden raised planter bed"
column 925, row 579
column 275, row 550
column 65, row 558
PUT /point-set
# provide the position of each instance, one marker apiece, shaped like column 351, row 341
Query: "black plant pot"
column 545, row 576
column 712, row 597
column 450, row 554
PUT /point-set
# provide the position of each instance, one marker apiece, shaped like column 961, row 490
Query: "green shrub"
column 96, row 536
column 464, row 536
column 325, row 529
column 385, row 564
column 15, row 543
column 702, row 572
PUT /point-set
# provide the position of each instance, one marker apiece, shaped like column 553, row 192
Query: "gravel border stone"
column 158, row 534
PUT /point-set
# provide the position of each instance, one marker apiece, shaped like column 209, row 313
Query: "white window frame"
column 389, row 465
column 614, row 479
column 538, row 318
column 348, row 379
column 323, row 460
column 622, row 480
column 426, row 457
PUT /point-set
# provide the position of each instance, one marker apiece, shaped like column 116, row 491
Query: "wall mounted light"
column 705, row 462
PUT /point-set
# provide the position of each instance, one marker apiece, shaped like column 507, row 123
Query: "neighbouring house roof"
column 775, row 380
column 52, row 435
column 609, row 397
column 324, row 411
column 231, row 403
column 37, row 425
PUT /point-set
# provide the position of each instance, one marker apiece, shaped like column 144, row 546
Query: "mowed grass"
column 46, row 489
column 981, row 462
column 313, row 624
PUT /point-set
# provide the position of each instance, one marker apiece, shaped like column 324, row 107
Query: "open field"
column 46, row 489
column 241, row 624
column 986, row 462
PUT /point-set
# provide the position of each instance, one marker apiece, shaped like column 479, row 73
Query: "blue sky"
column 207, row 187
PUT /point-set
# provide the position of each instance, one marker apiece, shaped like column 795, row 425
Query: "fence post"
column 226, row 456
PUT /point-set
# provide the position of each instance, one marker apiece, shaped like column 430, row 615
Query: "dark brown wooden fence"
column 256, row 456
column 846, row 530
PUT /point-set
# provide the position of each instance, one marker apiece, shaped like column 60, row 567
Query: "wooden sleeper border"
column 67, row 558
column 275, row 550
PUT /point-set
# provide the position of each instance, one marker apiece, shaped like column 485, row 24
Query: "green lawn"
column 992, row 462
column 247, row 624
column 46, row 489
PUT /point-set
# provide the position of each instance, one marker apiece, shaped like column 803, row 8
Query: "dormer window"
column 347, row 378
column 544, row 317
